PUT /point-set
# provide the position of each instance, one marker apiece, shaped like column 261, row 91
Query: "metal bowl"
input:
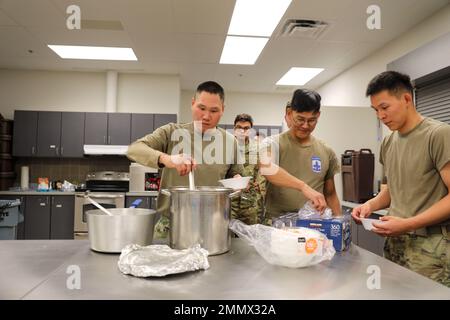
column 125, row 226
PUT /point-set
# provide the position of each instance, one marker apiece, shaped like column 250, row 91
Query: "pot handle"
column 165, row 192
column 234, row 194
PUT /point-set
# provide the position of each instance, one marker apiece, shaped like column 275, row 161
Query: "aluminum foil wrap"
column 161, row 260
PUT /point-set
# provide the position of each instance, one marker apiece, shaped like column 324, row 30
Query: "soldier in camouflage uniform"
column 416, row 169
column 249, row 207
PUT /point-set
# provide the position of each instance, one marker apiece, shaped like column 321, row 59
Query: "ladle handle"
column 95, row 203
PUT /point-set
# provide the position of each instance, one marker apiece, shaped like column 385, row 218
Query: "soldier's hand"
column 390, row 226
column 317, row 199
column 363, row 211
column 183, row 163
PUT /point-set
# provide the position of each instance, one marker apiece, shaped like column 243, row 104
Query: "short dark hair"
column 304, row 100
column 243, row 117
column 288, row 105
column 211, row 87
column 392, row 81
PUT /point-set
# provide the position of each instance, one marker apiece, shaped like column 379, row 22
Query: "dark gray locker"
column 49, row 134
column 37, row 217
column 25, row 131
column 119, row 128
column 162, row 119
column 72, row 134
column 62, row 217
column 141, row 125
column 96, row 128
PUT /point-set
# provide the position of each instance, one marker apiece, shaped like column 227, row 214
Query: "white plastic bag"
column 290, row 247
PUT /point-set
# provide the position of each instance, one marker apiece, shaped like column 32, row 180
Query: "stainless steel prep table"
column 36, row 269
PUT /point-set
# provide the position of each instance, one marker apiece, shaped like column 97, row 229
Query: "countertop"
column 37, row 193
column 38, row 269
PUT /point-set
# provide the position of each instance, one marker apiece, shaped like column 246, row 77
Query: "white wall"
column 348, row 89
column 338, row 128
column 48, row 90
column 85, row 92
column 145, row 93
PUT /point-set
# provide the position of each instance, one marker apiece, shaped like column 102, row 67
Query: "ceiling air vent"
column 303, row 28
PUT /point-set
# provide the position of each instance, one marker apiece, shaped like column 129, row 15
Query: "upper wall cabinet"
column 107, row 128
column 141, row 125
column 72, row 134
column 25, row 132
column 162, row 119
column 62, row 134
column 48, row 134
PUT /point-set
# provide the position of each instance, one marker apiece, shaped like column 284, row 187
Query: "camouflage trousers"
column 161, row 230
column 428, row 256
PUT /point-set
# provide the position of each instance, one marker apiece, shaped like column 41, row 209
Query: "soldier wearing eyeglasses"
column 303, row 156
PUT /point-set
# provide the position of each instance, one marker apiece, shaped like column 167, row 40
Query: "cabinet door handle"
column 104, row 139
column 32, row 150
column 62, row 150
column 57, row 151
column 109, row 139
column 42, row 204
column 59, row 205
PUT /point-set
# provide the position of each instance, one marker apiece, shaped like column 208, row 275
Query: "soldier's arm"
column 329, row 191
column 438, row 212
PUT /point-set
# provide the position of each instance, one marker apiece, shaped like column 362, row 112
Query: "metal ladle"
column 95, row 203
column 191, row 181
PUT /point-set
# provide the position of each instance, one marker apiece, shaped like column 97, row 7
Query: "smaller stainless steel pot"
column 125, row 226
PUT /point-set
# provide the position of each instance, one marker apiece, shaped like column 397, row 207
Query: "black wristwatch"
column 160, row 165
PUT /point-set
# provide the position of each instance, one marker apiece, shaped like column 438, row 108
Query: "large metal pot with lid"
column 200, row 216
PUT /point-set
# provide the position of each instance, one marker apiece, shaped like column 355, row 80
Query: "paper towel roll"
column 24, row 178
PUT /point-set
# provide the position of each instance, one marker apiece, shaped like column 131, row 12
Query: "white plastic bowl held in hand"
column 236, row 183
column 368, row 223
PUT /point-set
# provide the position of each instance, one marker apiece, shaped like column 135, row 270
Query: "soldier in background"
column 249, row 208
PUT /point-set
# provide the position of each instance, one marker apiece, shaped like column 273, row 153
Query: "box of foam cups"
column 337, row 229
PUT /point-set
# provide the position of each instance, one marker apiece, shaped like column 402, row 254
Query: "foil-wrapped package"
column 161, row 260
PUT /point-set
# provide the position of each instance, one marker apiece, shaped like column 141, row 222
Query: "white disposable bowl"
column 236, row 183
column 368, row 223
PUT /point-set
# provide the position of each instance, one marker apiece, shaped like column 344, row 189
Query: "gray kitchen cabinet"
column 72, row 134
column 370, row 240
column 62, row 217
column 119, row 128
column 96, row 128
column 25, row 131
column 161, row 119
column 49, row 134
column 107, row 128
column 21, row 225
column 37, row 217
column 141, row 125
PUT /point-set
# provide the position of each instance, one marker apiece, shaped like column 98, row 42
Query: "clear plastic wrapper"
column 293, row 247
column 161, row 260
column 309, row 212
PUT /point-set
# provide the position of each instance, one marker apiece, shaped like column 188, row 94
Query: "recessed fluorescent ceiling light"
column 298, row 76
column 242, row 50
column 93, row 53
column 257, row 17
